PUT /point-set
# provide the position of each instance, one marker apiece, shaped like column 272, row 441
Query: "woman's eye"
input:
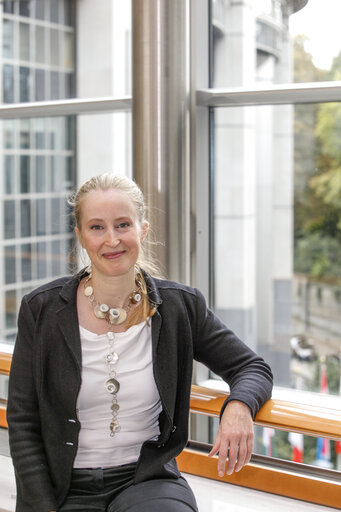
column 123, row 225
column 95, row 227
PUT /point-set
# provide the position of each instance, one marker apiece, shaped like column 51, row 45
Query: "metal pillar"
column 161, row 125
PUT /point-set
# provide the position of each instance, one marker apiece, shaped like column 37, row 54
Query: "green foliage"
column 317, row 175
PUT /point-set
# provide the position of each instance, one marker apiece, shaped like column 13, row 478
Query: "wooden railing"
column 285, row 478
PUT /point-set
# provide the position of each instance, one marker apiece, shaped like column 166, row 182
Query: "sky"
column 320, row 20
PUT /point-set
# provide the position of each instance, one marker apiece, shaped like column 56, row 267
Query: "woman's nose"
column 112, row 238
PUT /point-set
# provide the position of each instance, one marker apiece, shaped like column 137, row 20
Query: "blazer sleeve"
column 26, row 444
column 248, row 375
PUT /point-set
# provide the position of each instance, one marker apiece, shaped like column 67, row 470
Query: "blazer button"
column 161, row 445
column 69, row 444
column 174, row 429
column 71, row 420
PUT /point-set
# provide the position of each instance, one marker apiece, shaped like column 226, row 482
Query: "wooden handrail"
column 293, row 417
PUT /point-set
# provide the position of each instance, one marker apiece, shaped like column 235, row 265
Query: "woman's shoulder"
column 52, row 288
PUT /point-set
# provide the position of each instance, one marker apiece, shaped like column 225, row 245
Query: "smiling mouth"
column 113, row 255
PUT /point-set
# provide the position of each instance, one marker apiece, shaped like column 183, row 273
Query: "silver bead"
column 104, row 308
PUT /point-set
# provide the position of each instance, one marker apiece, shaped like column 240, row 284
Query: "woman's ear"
column 144, row 230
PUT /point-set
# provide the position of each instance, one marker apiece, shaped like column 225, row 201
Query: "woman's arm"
column 26, row 444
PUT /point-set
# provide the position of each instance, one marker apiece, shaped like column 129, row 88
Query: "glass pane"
column 11, row 310
column 39, row 127
column 25, row 126
column 24, row 174
column 68, row 50
column 24, row 84
column 54, row 81
column 40, row 9
column 258, row 42
column 26, row 262
column 41, row 217
column 56, row 257
column 277, row 236
column 40, row 44
column 9, row 133
column 55, row 216
column 9, row 219
column 8, row 6
column 10, row 268
column 8, row 83
column 24, row 38
column 40, row 94
column 41, row 260
column 54, row 11
column 54, row 47
column 25, row 214
column 8, row 39
column 41, row 182
column 9, row 162
column 24, row 7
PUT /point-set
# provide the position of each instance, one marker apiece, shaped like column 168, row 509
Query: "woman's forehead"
column 107, row 201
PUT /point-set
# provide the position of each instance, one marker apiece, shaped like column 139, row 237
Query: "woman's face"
column 110, row 232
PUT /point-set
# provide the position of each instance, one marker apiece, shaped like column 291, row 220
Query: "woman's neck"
column 114, row 290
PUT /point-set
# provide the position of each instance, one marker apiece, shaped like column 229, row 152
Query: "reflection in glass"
column 54, row 47
column 7, row 38
column 9, row 219
column 68, row 50
column 24, row 174
column 8, row 6
column 25, row 133
column 56, row 257
column 9, row 174
column 10, row 259
column 24, row 7
column 54, row 84
column 26, row 262
column 40, row 9
column 25, row 213
column 40, row 94
column 10, row 305
column 54, row 12
column 41, row 217
column 8, row 83
column 40, row 44
column 39, row 127
column 24, row 84
column 41, row 185
column 9, row 133
column 55, row 216
column 41, row 260
column 24, row 39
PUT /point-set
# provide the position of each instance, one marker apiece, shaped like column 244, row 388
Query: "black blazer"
column 46, row 374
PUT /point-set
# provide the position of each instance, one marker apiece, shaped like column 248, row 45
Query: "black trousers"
column 112, row 490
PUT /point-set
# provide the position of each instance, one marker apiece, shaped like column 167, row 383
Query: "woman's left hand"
column 234, row 438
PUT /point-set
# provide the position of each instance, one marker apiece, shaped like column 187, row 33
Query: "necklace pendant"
column 88, row 291
column 111, row 358
column 112, row 386
column 117, row 315
column 135, row 298
column 98, row 313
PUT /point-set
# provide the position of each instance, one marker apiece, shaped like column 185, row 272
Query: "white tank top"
column 138, row 398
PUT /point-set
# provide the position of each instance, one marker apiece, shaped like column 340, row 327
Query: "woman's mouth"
column 113, row 255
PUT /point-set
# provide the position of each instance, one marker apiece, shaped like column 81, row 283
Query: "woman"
column 101, row 373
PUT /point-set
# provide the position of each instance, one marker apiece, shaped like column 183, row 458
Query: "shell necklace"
column 113, row 316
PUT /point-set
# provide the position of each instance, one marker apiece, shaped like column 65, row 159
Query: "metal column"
column 161, row 125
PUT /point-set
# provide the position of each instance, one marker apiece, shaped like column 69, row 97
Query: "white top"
column 137, row 397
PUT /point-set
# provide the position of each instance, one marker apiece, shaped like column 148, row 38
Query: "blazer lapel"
column 67, row 318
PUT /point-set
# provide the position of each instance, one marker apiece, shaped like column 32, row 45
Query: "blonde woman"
column 101, row 374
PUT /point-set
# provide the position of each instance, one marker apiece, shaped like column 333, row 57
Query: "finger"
column 216, row 445
column 232, row 459
column 223, row 449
